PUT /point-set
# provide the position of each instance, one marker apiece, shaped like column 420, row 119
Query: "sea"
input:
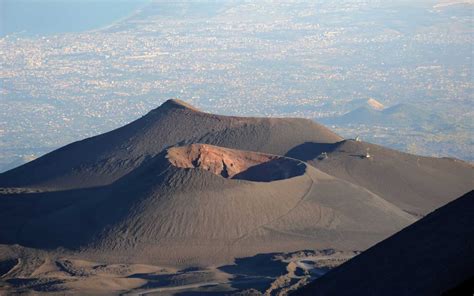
column 49, row 17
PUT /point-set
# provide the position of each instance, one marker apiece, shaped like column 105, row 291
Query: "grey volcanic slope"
column 414, row 183
column 104, row 158
column 180, row 209
column 429, row 257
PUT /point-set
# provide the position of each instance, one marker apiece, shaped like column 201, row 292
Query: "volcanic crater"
column 235, row 164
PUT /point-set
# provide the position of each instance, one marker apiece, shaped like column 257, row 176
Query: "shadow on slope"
column 310, row 151
column 273, row 170
column 22, row 211
column 73, row 218
column 257, row 272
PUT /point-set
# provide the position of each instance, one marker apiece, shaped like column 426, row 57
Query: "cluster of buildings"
column 271, row 59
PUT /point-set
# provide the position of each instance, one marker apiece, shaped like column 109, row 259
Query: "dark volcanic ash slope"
column 199, row 205
column 104, row 158
column 414, row 183
column 430, row 257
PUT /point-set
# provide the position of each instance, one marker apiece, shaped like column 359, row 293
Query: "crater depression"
column 235, row 164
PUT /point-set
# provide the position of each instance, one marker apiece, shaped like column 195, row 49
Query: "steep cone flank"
column 105, row 158
column 171, row 215
column 230, row 163
column 430, row 257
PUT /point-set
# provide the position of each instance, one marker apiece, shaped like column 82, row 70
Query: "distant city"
column 317, row 60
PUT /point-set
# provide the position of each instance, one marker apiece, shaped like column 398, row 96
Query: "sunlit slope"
column 104, row 158
column 414, row 183
column 169, row 214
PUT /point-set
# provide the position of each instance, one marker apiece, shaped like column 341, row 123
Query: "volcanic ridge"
column 183, row 189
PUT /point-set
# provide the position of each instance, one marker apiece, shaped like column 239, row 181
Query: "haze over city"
column 294, row 59
column 236, row 147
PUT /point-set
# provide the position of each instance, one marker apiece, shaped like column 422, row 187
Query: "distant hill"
column 431, row 257
column 375, row 104
column 401, row 115
column 369, row 103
